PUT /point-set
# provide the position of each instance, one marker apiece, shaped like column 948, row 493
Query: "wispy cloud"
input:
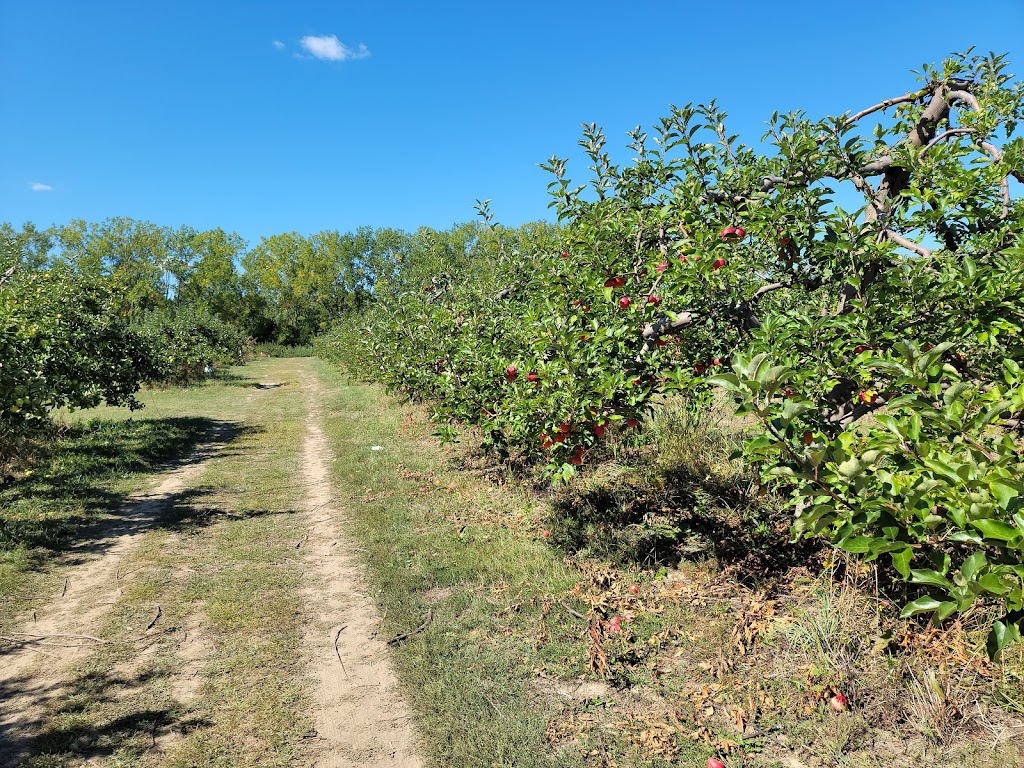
column 330, row 48
column 36, row 186
column 278, row 44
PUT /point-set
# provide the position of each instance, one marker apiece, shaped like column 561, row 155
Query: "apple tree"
column 854, row 281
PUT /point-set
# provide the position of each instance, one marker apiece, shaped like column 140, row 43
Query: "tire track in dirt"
column 35, row 661
column 360, row 716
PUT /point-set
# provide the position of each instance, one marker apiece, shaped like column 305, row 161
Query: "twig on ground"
column 406, row 635
column 490, row 701
column 572, row 612
column 30, row 635
column 337, row 651
column 159, row 612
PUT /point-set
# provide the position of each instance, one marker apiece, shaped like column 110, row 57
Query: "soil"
column 360, row 717
column 60, row 632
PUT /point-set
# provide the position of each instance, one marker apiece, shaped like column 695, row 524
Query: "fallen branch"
column 25, row 638
column 572, row 612
column 337, row 651
column 406, row 635
column 159, row 613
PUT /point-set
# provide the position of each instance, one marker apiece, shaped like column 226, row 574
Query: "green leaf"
column 1000, row 635
column 727, row 381
column 991, row 582
column 901, row 561
column 994, row 529
column 1003, row 491
column 972, row 565
column 934, row 578
column 856, row 544
column 921, row 605
column 946, row 610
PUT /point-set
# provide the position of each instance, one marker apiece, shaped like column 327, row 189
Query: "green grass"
column 494, row 679
column 220, row 564
column 436, row 539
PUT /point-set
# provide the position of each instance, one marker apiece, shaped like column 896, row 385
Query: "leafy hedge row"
column 65, row 342
column 878, row 347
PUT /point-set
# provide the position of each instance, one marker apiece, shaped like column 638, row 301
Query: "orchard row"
column 856, row 289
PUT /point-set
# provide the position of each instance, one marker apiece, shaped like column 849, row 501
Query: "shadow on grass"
column 655, row 519
column 74, row 729
column 67, row 499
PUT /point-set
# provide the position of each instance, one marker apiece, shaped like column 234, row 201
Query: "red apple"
column 546, row 533
column 510, row 373
column 575, row 302
column 728, row 233
column 662, row 342
column 808, row 438
column 682, row 259
column 624, row 302
column 698, row 369
column 634, row 589
column 860, row 349
column 838, row 703
column 532, row 376
column 868, row 396
column 600, row 429
column 714, row 762
column 655, row 300
column 565, row 428
column 662, row 267
column 631, row 422
column 718, row 264
column 740, row 233
column 546, row 441
column 565, row 254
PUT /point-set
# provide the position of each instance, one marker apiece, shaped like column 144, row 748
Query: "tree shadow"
column 35, row 516
column 91, row 717
column 657, row 519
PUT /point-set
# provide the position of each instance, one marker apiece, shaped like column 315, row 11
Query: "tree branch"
column 910, row 245
column 947, row 135
column 965, row 96
column 904, row 99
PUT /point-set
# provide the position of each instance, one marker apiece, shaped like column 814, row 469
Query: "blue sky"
column 266, row 117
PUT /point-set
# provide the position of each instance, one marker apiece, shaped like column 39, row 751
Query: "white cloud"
column 330, row 48
column 35, row 186
column 278, row 44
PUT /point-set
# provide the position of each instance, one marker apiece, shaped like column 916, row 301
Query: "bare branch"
column 965, row 96
column 910, row 245
column 947, row 135
column 904, row 99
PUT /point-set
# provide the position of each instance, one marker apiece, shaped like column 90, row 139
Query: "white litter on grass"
column 377, row 448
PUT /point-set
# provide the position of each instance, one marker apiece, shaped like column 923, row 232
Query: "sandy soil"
column 361, row 719
column 34, row 662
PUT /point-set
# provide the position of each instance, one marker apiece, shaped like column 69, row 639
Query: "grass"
column 731, row 640
column 436, row 539
column 220, row 567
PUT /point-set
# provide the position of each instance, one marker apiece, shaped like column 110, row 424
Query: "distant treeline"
column 285, row 289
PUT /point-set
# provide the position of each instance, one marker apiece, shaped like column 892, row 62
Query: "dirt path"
column 361, row 719
column 35, row 661
column 352, row 696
